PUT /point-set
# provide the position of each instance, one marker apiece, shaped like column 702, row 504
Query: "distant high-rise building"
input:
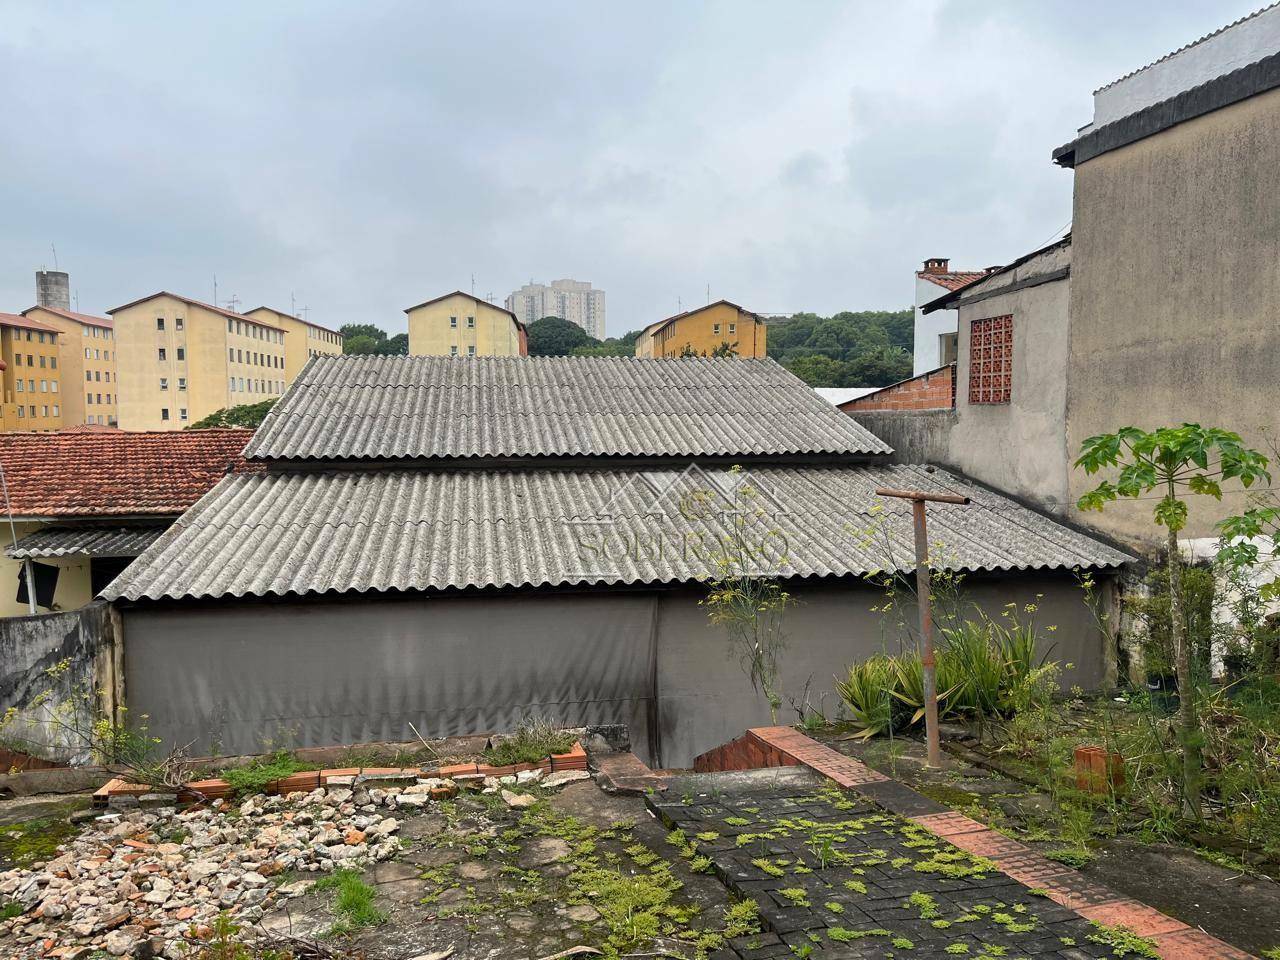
column 571, row 300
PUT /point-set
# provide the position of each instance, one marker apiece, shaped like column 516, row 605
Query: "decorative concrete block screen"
column 991, row 360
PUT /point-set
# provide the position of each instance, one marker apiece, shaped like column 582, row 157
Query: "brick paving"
column 1065, row 904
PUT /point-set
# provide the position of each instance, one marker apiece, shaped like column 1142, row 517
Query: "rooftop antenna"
column 77, row 301
column 293, row 305
column 215, row 289
column 54, row 248
column 708, row 293
column 233, row 303
column 473, row 284
column 305, row 311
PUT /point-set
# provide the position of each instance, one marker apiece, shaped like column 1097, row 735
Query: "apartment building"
column 180, row 360
column 304, row 341
column 30, row 374
column 460, row 325
column 720, row 328
column 572, row 300
column 87, row 359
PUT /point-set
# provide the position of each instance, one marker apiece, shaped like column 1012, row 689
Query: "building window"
column 17, row 359
column 164, row 383
column 20, row 413
column 164, row 413
column 88, row 376
column 471, row 351
column 159, row 323
column 182, row 383
column 182, row 353
column 453, row 351
column 471, row 322
column 990, row 360
column 182, row 413
column 57, row 410
column 43, row 360
column 88, row 398
column 53, row 363
column 53, row 386
column 163, row 355
column 715, row 329
column 44, row 386
column 947, row 348
column 231, row 355
column 733, row 328
column 18, row 385
column 177, row 323
column 232, row 382
column 453, row 322
column 44, row 409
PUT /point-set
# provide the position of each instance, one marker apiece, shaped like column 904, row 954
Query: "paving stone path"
column 835, row 875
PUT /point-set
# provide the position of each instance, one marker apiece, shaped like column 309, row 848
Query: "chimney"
column 936, row 265
column 53, row 289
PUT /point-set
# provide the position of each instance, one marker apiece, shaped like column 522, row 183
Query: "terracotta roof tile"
column 15, row 320
column 116, row 473
column 952, row 281
column 72, row 315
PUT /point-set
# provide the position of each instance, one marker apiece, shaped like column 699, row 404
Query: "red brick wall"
column 935, row 390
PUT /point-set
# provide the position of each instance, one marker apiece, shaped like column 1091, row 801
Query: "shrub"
column 533, row 740
column 868, row 692
column 254, row 777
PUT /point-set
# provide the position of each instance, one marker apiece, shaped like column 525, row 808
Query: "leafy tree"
column 350, row 330
column 245, row 415
column 878, row 367
column 1174, row 463
column 397, row 346
column 554, row 337
column 818, row 370
column 361, row 345
column 726, row 349
column 623, row 346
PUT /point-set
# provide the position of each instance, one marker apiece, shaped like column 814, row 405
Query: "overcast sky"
column 365, row 157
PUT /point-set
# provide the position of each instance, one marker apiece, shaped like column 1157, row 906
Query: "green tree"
column 361, row 345
column 1174, row 463
column 878, row 367
column 818, row 370
column 245, row 415
column 554, row 337
column 350, row 330
column 397, row 346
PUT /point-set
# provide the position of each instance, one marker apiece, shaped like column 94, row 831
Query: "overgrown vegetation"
column 533, row 740
column 868, row 348
column 254, row 776
column 353, row 900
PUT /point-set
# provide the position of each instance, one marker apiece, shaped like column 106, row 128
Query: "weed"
column 353, row 903
column 533, row 740
column 222, row 942
column 957, row 948
column 798, row 896
column 741, row 918
column 1071, row 856
column 844, row 935
column 254, row 777
column 1123, row 941
column 9, row 909
column 902, row 943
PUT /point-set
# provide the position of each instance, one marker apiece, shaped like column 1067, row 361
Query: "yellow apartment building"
column 30, row 374
column 87, row 364
column 304, row 341
column 460, row 325
column 722, row 326
column 180, row 360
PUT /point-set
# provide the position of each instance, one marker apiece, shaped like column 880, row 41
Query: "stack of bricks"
column 935, row 390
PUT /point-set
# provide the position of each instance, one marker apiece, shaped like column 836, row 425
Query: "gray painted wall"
column 239, row 676
column 1175, row 292
column 1020, row 447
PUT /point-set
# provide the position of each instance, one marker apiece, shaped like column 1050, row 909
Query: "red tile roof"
column 117, row 473
column 77, row 317
column 952, row 281
column 14, row 320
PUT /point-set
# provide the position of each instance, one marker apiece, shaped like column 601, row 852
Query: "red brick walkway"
column 781, row 746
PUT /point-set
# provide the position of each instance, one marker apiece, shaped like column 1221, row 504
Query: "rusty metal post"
column 924, row 602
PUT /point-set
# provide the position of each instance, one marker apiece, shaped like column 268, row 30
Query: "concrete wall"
column 331, row 672
column 1018, row 447
column 48, row 703
column 1175, row 291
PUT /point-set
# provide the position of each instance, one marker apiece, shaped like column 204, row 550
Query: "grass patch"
column 532, row 741
column 1071, row 856
column 254, row 777
column 353, row 902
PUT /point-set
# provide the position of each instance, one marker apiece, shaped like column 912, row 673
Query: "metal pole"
column 924, row 603
column 31, row 587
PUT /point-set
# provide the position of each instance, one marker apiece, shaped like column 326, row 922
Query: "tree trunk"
column 1188, row 722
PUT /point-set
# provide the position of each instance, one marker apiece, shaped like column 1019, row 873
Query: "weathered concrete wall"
column 49, row 700
column 327, row 672
column 1175, row 293
column 917, row 436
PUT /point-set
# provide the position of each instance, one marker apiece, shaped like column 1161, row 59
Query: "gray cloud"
column 799, row 156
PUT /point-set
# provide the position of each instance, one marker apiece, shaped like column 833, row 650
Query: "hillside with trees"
column 867, row 348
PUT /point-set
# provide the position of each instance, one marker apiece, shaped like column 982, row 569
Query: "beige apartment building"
column 460, row 325
column 304, row 341
column 30, row 377
column 180, row 360
column 87, row 365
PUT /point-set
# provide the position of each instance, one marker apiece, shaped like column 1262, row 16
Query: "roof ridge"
column 1187, row 46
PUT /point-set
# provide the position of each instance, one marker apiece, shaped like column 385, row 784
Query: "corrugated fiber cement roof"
column 342, row 531
column 387, row 408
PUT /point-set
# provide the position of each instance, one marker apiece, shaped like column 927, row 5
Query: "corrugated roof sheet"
column 365, row 407
column 115, row 541
column 296, row 533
